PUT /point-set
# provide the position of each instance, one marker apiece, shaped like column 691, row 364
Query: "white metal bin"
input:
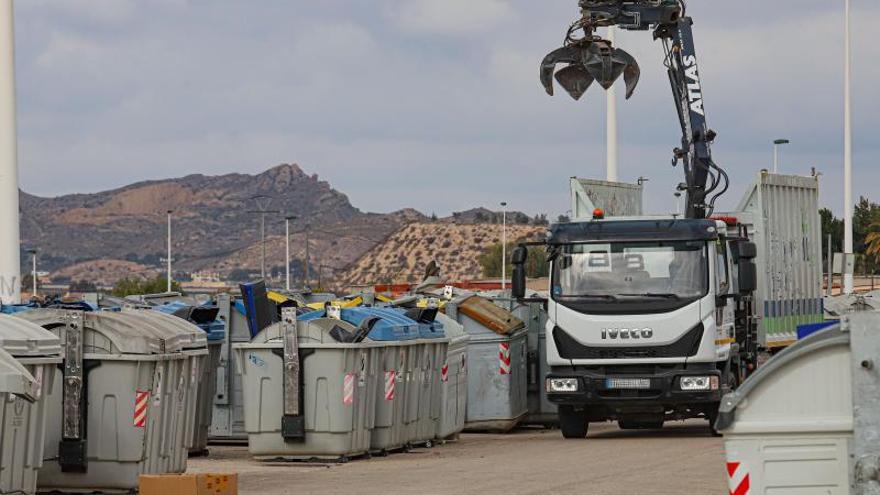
column 789, row 427
column 133, row 408
column 338, row 392
column 453, row 380
column 24, row 422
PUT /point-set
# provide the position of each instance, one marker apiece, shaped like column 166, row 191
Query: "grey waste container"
column 133, row 414
column 201, row 376
column 541, row 411
column 453, row 380
column 338, row 391
column 227, row 419
column 497, row 374
column 24, row 421
column 789, row 427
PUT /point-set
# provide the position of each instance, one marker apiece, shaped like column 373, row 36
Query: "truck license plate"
column 628, row 383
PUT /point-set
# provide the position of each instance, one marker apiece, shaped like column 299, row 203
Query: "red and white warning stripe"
column 348, row 389
column 738, row 478
column 390, row 380
column 141, row 400
column 444, row 372
column 504, row 357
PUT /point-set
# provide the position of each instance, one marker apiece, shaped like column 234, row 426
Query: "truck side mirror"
column 748, row 271
column 518, row 259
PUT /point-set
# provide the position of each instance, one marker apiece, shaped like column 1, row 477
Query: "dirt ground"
column 682, row 458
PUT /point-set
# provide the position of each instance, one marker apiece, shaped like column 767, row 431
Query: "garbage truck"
column 655, row 318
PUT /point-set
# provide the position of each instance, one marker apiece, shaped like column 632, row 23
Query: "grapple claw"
column 575, row 80
column 631, row 71
column 589, row 60
column 565, row 54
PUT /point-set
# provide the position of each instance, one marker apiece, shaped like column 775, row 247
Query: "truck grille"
column 686, row 346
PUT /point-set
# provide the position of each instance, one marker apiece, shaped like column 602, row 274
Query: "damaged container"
column 497, row 374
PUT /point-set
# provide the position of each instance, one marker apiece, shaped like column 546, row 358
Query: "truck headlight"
column 699, row 383
column 562, row 385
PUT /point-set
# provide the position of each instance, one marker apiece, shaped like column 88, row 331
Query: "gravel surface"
column 682, row 458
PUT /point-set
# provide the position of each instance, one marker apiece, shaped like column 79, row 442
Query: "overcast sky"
column 432, row 104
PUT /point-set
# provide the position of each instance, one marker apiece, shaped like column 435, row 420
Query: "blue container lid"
column 215, row 330
column 427, row 330
column 390, row 327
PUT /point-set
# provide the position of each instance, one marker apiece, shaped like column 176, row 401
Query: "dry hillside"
column 454, row 247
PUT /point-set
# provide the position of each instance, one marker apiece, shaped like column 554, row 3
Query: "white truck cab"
column 640, row 329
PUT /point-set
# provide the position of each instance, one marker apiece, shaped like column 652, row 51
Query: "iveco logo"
column 627, row 333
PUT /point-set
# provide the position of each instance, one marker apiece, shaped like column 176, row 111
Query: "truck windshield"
column 621, row 271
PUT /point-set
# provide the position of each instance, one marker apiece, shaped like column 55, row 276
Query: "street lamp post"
column 287, row 221
column 503, row 245
column 262, row 202
column 776, row 144
column 168, row 254
column 33, row 253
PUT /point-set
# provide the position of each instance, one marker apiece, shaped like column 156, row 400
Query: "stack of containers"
column 199, row 376
column 397, row 397
column 497, row 373
column 24, row 422
column 338, row 383
column 134, row 411
column 453, row 380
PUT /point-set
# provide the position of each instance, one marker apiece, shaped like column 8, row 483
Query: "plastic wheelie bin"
column 24, row 421
column 397, row 400
column 309, row 393
column 119, row 406
column 453, row 380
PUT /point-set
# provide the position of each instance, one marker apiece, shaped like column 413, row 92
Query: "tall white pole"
column 503, row 245
column 168, row 256
column 847, row 153
column 10, row 261
column 611, row 127
column 287, row 253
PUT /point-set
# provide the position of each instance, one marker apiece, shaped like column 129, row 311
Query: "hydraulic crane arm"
column 591, row 58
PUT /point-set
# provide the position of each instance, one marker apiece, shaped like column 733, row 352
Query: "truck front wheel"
column 572, row 423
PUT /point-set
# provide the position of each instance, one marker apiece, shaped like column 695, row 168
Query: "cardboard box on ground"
column 189, row 484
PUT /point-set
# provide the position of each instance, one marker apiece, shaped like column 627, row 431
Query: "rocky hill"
column 455, row 248
column 214, row 224
column 105, row 236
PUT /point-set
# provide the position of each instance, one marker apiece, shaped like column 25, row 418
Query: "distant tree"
column 133, row 286
column 536, row 263
column 27, row 282
column 540, row 219
column 433, row 217
column 239, row 275
column 83, row 286
column 834, row 226
column 563, row 219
